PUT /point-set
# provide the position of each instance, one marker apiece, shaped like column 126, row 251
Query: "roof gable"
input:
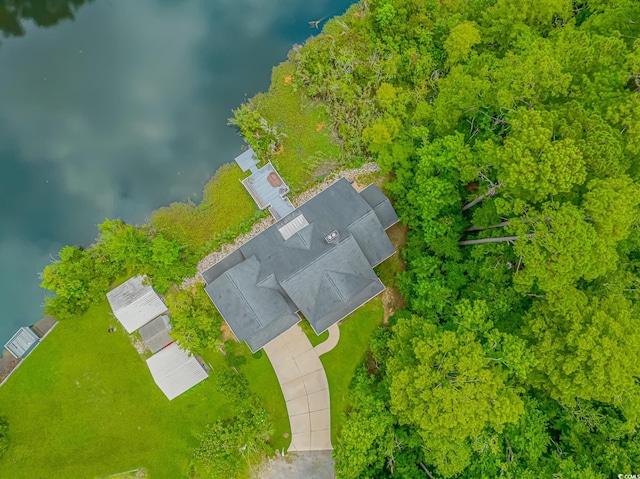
column 253, row 307
column 336, row 290
column 381, row 205
column 371, row 237
column 301, row 239
column 328, row 287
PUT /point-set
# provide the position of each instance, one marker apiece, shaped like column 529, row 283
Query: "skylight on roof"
column 293, row 226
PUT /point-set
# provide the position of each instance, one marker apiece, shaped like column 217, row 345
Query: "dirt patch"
column 139, row 345
column 398, row 235
column 226, row 334
column 7, row 364
column 359, row 186
column 325, row 169
column 43, row 326
column 392, row 301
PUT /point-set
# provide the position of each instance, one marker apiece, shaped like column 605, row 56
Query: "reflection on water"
column 119, row 112
column 13, row 14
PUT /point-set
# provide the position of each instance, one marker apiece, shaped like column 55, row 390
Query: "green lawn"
column 341, row 362
column 84, row 405
column 314, row 339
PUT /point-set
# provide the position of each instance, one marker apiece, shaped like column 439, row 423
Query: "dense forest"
column 511, row 134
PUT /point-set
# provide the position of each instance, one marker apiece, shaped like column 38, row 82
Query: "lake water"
column 119, row 111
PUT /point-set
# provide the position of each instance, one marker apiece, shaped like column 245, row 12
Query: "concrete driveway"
column 305, row 388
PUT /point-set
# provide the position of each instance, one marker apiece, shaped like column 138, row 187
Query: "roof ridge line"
column 371, row 211
column 334, row 286
column 226, row 273
column 331, row 248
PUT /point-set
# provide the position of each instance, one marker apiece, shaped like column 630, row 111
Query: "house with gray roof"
column 317, row 260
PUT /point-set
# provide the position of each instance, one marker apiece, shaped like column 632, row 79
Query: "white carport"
column 175, row 371
column 135, row 304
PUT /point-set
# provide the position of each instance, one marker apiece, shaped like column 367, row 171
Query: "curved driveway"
column 305, row 388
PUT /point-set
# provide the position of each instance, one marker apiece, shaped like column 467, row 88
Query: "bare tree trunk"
column 490, row 192
column 492, row 240
column 424, row 468
column 478, row 228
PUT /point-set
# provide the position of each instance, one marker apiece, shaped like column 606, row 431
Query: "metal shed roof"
column 135, row 304
column 22, row 342
column 155, row 334
column 175, row 371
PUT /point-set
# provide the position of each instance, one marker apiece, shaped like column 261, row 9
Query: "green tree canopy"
column 443, row 384
column 587, row 349
column 194, row 320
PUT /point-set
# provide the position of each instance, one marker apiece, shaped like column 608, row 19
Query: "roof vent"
column 331, row 237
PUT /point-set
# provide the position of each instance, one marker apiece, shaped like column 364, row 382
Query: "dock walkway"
column 265, row 185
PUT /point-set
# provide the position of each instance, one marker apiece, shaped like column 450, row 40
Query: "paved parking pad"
column 298, row 465
column 305, row 389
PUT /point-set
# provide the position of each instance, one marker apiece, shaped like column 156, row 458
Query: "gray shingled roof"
column 256, row 313
column 334, row 285
column 259, row 287
column 381, row 205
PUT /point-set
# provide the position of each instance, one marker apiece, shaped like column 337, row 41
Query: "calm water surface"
column 120, row 111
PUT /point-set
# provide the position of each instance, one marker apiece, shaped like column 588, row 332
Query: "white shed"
column 175, row 371
column 22, row 342
column 135, row 304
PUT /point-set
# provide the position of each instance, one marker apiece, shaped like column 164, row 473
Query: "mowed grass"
column 314, row 338
column 264, row 384
column 84, row 405
column 341, row 362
